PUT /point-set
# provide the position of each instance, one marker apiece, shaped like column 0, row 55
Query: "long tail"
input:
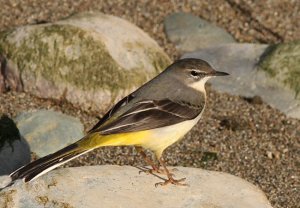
column 84, row 145
column 49, row 162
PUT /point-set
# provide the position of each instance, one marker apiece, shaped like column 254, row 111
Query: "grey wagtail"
column 154, row 116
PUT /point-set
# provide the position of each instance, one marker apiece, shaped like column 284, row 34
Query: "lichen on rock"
column 88, row 59
column 67, row 53
column 6, row 198
column 282, row 62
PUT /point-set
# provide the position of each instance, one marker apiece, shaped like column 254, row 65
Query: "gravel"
column 236, row 135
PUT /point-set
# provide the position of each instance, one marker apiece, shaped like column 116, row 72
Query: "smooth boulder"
column 47, row 131
column 90, row 59
column 189, row 32
column 123, row 186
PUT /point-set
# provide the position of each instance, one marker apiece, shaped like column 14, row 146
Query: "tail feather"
column 47, row 163
column 89, row 142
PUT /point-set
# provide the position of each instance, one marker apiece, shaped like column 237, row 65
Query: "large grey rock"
column 14, row 150
column 189, row 32
column 243, row 62
column 90, row 59
column 48, row 131
column 116, row 186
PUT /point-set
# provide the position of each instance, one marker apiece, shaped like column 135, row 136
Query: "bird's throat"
column 200, row 85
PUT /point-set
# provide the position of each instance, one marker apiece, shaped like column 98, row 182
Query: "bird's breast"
column 161, row 138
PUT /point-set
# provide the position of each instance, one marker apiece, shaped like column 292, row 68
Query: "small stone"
column 189, row 32
column 66, row 186
column 277, row 155
column 48, row 131
column 270, row 155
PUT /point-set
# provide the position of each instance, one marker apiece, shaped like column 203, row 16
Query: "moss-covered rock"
column 90, row 59
column 282, row 62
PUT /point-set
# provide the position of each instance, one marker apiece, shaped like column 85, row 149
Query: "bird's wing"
column 150, row 114
column 111, row 112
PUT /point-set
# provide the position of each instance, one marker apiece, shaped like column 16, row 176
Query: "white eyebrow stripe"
column 198, row 70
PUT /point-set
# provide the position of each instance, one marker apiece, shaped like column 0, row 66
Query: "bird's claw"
column 172, row 181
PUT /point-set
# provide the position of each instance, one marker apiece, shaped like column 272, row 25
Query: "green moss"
column 158, row 59
column 282, row 62
column 67, row 54
column 3, row 36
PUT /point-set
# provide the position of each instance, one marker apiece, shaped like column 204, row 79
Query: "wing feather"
column 111, row 112
column 151, row 114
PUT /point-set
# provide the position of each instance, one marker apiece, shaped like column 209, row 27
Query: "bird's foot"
column 149, row 170
column 171, row 180
column 156, row 170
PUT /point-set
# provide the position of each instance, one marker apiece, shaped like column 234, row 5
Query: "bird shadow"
column 14, row 150
column 146, row 170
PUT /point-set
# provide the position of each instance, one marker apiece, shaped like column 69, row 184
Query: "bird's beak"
column 219, row 73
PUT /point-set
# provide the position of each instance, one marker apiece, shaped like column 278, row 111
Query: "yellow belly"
column 156, row 140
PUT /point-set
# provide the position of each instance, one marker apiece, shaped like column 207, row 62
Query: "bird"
column 153, row 117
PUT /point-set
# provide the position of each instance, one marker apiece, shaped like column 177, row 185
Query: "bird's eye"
column 195, row 73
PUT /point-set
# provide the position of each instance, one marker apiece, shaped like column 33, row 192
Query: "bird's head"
column 193, row 72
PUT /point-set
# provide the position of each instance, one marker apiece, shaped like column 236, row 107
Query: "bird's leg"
column 170, row 177
column 155, row 168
